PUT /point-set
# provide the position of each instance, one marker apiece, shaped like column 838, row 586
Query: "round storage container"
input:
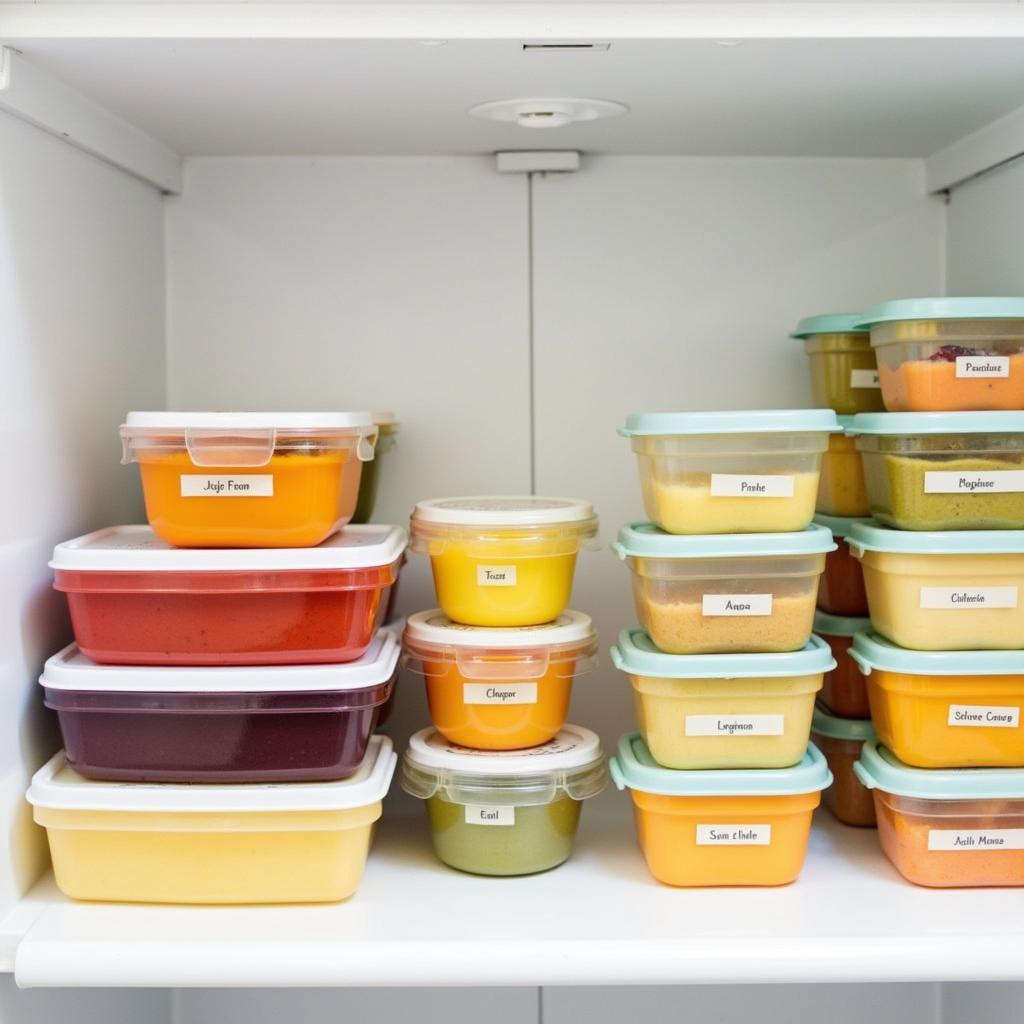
column 939, row 355
column 841, row 591
column 841, row 488
column 725, row 593
column 844, row 376
column 929, row 471
column 387, row 425
column 947, row 828
column 503, row 561
column 723, row 710
column 499, row 689
column 708, row 828
column 509, row 812
column 135, row 600
column 269, row 724
column 841, row 740
column 955, row 591
column 945, row 709
column 845, row 693
column 730, row 472
column 248, row 479
column 211, row 844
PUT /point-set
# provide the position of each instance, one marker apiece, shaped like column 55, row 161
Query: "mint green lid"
column 865, row 537
column 645, row 540
column 845, row 422
column 753, row 421
column 871, row 651
column 956, row 307
column 829, row 323
column 879, row 768
column 824, row 723
column 838, row 625
column 910, row 424
column 633, row 767
column 839, row 526
column 636, row 654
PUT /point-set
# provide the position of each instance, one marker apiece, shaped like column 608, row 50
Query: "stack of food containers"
column 218, row 708
column 502, row 774
column 725, row 669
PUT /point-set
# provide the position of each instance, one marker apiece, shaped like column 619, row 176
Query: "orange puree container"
column 499, row 689
column 731, row 827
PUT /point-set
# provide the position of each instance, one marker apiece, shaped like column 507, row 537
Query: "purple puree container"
column 268, row 723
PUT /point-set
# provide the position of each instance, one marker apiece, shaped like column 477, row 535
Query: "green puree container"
column 844, row 374
column 388, row 427
column 510, row 812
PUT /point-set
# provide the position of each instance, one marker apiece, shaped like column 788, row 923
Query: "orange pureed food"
column 928, row 385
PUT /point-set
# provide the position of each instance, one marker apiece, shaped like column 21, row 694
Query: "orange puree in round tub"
column 923, row 385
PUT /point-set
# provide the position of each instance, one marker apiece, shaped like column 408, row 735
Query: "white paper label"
column 734, row 835
column 496, row 575
column 864, row 379
column 253, row 485
column 983, row 716
column 983, row 366
column 998, row 481
column 735, row 725
column 952, row 839
column 965, row 598
column 737, row 604
column 477, row 815
column 738, row 485
column 499, row 693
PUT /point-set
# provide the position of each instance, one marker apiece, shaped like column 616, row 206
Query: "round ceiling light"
column 546, row 112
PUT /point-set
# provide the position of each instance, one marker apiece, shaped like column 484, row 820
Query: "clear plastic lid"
column 865, row 537
column 751, row 421
column 829, row 323
column 824, row 723
column 838, row 625
column 504, row 512
column 645, row 540
column 956, row 307
column 871, row 651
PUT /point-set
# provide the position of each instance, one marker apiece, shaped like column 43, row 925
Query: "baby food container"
column 499, row 689
column 508, row 812
column 931, row 471
column 387, row 425
column 503, row 561
column 210, row 844
column 955, row 591
column 730, row 472
column 725, row 593
column 845, row 692
column 840, row 740
column 248, row 479
column 947, row 827
column 723, row 710
column 945, row 709
column 841, row 487
column 708, row 828
column 937, row 355
column 135, row 600
column 841, row 591
column 267, row 724
column 844, row 376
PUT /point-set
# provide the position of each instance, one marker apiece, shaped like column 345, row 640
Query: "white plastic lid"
column 434, row 627
column 59, row 787
column 503, row 511
column 384, row 419
column 69, row 669
column 138, row 549
column 319, row 421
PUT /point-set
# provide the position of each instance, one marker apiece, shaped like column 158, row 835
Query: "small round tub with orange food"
column 840, row 740
column 845, row 692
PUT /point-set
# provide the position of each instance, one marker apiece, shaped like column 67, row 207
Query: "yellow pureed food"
column 841, row 489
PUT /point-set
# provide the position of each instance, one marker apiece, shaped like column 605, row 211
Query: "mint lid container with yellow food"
column 844, row 375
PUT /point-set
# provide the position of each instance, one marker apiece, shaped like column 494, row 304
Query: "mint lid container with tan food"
column 844, row 375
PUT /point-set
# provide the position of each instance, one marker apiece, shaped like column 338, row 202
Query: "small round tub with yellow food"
column 842, row 490
column 844, row 375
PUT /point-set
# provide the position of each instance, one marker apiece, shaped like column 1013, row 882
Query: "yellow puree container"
column 299, row 843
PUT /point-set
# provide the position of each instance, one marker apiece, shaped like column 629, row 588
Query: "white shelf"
column 600, row 919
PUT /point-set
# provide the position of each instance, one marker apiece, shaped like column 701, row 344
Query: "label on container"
column 496, row 575
column 997, row 481
column 864, row 379
column 253, row 485
column 477, row 815
column 739, row 485
column 983, row 366
column 983, row 715
column 736, row 604
column 734, row 835
column 499, row 693
column 735, row 725
column 964, row 598
column 956, row 839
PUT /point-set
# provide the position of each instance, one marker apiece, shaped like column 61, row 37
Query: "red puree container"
column 301, row 723
column 135, row 600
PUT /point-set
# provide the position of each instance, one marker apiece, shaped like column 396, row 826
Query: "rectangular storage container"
column 841, row 590
column 844, row 375
column 845, row 692
column 842, row 490
column 840, row 740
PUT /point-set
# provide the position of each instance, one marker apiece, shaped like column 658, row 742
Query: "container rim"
column 954, row 307
column 910, row 424
column 828, row 323
column 839, row 625
column 508, row 511
column 228, row 421
column 871, row 651
column 645, row 540
column 867, row 537
column 750, row 421
column 824, row 723
column 434, row 627
column 839, row 526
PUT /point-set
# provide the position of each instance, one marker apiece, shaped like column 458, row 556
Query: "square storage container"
column 210, row 844
column 842, row 490
column 722, row 710
column 267, row 724
column 841, row 591
column 841, row 740
column 135, row 600
column 844, row 375
column 710, row 828
column 730, row 472
column 845, row 692
column 369, row 479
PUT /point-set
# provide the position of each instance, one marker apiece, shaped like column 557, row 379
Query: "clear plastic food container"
column 725, row 593
column 954, row 591
column 940, row 355
column 947, row 827
column 386, row 423
column 841, row 740
column 135, row 600
column 722, row 710
column 844, row 375
column 504, row 812
column 707, row 828
column 499, row 689
column 931, row 471
column 842, row 490
column 945, row 709
column 210, row 844
column 841, row 591
column 845, row 692
column 269, row 724
column 248, row 479
column 730, row 472
column 505, row 561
